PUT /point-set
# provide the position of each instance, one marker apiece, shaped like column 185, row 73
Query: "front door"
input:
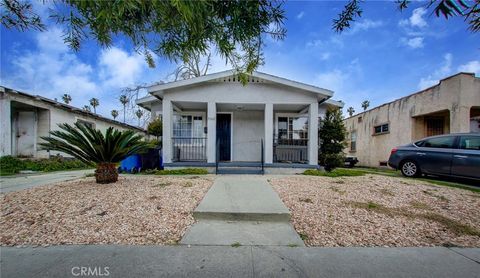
column 224, row 132
column 25, row 133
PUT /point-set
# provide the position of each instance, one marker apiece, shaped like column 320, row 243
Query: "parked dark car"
column 454, row 155
column 350, row 161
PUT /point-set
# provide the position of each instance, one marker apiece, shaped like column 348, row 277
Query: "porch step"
column 249, row 168
column 239, row 171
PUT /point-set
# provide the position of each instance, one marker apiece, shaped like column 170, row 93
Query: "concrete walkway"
column 242, row 210
column 19, row 182
column 245, row 261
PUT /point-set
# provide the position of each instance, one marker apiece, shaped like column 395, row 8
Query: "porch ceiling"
column 190, row 106
column 229, row 107
column 240, row 106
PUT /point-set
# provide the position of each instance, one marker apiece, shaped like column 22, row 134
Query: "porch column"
column 268, row 141
column 5, row 125
column 313, row 134
column 167, row 130
column 211, row 131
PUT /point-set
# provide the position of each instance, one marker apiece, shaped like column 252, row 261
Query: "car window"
column 470, row 142
column 419, row 143
column 439, row 142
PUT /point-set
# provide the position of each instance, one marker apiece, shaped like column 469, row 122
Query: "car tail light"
column 394, row 150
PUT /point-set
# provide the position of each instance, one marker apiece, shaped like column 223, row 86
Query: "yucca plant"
column 94, row 148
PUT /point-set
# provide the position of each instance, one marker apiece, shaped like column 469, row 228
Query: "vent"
column 236, row 79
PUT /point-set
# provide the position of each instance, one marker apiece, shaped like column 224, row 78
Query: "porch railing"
column 189, row 148
column 290, row 150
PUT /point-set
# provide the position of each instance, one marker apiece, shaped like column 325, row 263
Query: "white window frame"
column 289, row 115
column 193, row 114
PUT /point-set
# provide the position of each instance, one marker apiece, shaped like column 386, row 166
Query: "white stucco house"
column 25, row 118
column 216, row 121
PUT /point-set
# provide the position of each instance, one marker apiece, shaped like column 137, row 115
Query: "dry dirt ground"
column 135, row 210
column 376, row 210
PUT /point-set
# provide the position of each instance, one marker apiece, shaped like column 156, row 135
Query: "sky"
column 385, row 55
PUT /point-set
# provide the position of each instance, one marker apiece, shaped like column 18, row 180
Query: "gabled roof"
column 335, row 103
column 158, row 89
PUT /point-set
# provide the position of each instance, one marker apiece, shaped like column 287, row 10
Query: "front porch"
column 260, row 134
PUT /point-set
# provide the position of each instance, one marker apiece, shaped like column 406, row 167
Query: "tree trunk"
column 106, row 173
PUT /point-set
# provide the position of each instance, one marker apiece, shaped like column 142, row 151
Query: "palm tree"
column 124, row 100
column 94, row 103
column 66, row 98
column 139, row 114
column 86, row 108
column 350, row 111
column 365, row 104
column 92, row 147
column 114, row 114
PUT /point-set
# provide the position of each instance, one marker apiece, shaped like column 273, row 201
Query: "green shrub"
column 332, row 161
column 332, row 136
column 11, row 165
column 186, row 171
column 339, row 172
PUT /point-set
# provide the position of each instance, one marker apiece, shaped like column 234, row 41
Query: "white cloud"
column 51, row 69
column 472, row 66
column 413, row 43
column 119, row 68
column 340, row 79
column 333, row 41
column 332, row 80
column 365, row 25
column 444, row 70
column 416, row 19
column 300, row 15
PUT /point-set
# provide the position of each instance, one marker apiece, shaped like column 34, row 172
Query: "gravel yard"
column 135, row 210
column 374, row 210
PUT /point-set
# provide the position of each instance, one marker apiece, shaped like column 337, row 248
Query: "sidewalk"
column 19, row 182
column 244, row 261
column 244, row 210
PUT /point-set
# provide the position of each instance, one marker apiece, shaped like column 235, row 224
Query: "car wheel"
column 410, row 169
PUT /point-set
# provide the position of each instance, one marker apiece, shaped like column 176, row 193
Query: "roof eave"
column 158, row 89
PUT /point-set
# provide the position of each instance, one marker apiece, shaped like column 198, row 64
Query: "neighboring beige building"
column 24, row 118
column 451, row 106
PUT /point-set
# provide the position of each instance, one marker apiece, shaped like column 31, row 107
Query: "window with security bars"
column 187, row 126
column 435, row 126
column 293, row 128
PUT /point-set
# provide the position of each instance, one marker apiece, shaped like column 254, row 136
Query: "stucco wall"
column 235, row 92
column 456, row 95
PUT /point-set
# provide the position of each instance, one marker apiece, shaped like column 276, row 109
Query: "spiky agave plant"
column 92, row 147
